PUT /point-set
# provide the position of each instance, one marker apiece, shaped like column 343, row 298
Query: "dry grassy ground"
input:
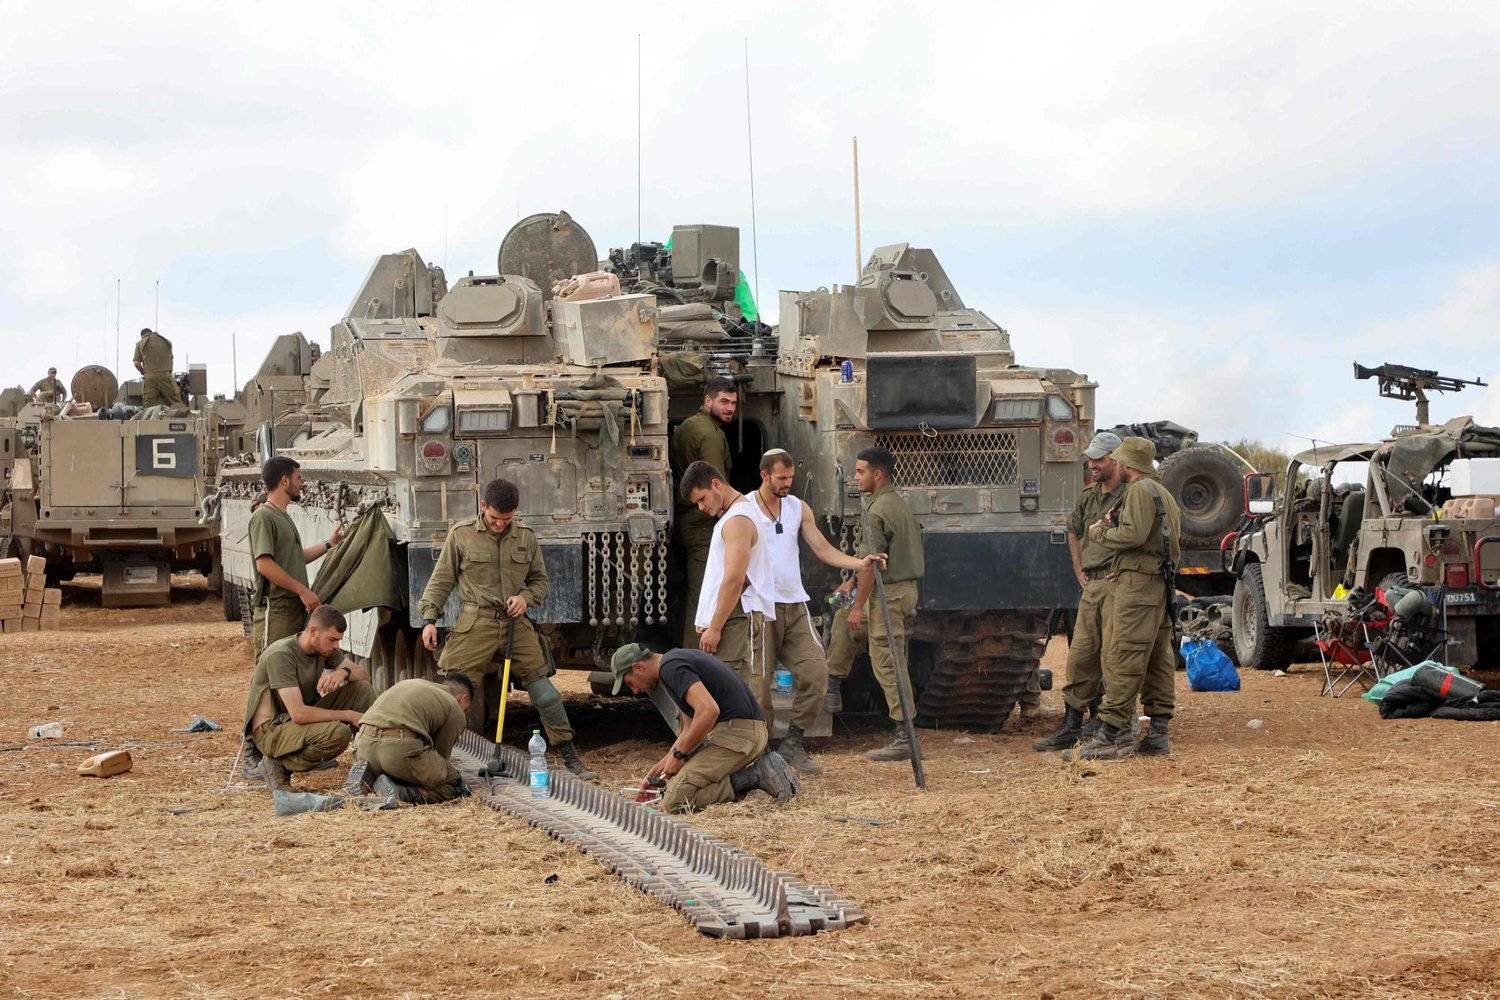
column 1323, row 853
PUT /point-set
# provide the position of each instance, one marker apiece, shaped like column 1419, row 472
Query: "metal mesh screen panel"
column 953, row 458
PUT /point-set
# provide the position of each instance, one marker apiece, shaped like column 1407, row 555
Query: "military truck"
column 986, row 450
column 1385, row 514
column 95, row 489
column 429, row 391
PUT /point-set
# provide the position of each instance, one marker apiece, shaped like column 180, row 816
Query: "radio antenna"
column 859, row 257
column 637, row 137
column 750, row 156
column 117, row 327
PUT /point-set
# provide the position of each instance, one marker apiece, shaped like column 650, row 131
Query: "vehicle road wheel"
column 1257, row 642
column 1209, row 489
column 232, row 598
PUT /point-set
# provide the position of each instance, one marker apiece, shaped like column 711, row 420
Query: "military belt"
column 388, row 733
column 489, row 611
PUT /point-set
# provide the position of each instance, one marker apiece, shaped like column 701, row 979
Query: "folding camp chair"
column 1345, row 645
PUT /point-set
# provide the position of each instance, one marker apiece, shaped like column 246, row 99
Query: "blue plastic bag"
column 1208, row 669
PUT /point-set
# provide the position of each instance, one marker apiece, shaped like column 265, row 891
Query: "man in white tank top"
column 736, row 600
column 791, row 641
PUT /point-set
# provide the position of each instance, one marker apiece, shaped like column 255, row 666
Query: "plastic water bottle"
column 839, row 599
column 783, row 681
column 537, row 775
column 846, row 372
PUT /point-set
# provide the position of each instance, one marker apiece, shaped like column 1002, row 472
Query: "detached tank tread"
column 979, row 668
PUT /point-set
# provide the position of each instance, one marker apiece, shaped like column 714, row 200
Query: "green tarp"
column 361, row 571
column 742, row 295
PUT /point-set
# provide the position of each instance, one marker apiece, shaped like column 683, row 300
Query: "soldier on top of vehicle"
column 153, row 359
column 49, row 389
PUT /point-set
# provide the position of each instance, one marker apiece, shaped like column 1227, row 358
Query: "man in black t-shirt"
column 720, row 753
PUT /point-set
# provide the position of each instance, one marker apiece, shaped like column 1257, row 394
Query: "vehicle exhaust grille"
column 953, row 458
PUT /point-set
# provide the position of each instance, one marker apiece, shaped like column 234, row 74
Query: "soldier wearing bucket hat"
column 720, row 753
column 1091, row 565
column 1142, row 533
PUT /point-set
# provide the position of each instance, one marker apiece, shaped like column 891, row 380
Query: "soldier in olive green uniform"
column 700, row 438
column 283, row 598
column 496, row 564
column 889, row 528
column 1091, row 564
column 153, row 359
column 406, row 738
column 49, row 389
column 1142, row 531
column 305, row 699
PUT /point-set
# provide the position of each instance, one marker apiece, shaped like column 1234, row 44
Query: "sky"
column 1211, row 209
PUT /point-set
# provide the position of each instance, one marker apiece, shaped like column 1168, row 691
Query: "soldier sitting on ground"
column 406, row 738
column 305, row 699
column 720, row 753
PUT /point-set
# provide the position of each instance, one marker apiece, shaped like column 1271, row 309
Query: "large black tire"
column 232, row 598
column 1257, row 643
column 1209, row 488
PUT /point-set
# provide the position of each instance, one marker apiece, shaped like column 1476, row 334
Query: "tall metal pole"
column 637, row 138
column 117, row 327
column 859, row 257
column 157, row 320
column 750, row 155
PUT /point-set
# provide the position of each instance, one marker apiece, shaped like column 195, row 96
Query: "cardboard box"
column 30, row 625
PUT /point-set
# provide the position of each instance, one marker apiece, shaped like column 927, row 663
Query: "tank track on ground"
column 724, row 891
column 980, row 665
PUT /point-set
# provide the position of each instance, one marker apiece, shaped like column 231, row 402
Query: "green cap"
column 1137, row 453
column 626, row 657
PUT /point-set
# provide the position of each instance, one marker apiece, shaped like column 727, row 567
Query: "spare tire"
column 1209, row 489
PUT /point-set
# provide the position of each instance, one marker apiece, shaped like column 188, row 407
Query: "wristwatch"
column 684, row 756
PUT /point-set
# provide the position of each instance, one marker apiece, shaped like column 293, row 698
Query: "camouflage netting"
column 1414, row 457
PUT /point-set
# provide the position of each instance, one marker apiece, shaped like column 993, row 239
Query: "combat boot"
column 1066, row 734
column 1093, row 724
column 795, row 754
column 393, row 793
column 250, row 761
column 574, row 763
column 770, row 773
column 899, row 749
column 1109, row 743
column 274, row 774
column 1155, row 742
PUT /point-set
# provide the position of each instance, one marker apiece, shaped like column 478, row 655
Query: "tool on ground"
column 903, row 682
column 510, row 644
column 724, row 891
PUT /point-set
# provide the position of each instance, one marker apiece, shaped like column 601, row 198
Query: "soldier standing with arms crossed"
column 496, row 564
column 1091, row 564
column 891, row 530
column 791, row 640
column 700, row 438
column 1142, row 531
column 153, row 359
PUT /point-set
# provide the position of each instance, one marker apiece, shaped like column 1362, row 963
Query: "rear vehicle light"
column 1062, row 436
column 434, row 450
column 1456, row 576
column 1450, row 548
column 1429, row 560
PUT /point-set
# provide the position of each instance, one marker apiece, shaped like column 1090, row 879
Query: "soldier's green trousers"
column 405, row 758
column 844, row 644
column 704, row 778
column 475, row 646
column 159, row 390
column 792, row 643
column 1138, row 660
column 1086, row 645
column 303, row 746
column 743, row 645
column 695, row 530
column 275, row 619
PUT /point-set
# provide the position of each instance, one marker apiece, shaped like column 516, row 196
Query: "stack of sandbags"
column 12, row 595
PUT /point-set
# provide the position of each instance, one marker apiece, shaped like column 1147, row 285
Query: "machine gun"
column 1401, row 382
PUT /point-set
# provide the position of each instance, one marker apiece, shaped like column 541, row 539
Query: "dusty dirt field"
column 1322, row 853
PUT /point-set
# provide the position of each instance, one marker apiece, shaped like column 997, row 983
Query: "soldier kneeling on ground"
column 306, row 698
column 406, row 738
column 720, row 753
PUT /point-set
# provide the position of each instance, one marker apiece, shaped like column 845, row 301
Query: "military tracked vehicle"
column 428, row 391
column 97, row 488
column 986, row 450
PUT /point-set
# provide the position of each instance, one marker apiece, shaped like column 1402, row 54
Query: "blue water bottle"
column 846, row 371
column 537, row 775
column 783, row 681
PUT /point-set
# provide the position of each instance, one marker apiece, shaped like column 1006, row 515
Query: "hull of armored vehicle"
column 986, row 452
column 428, row 393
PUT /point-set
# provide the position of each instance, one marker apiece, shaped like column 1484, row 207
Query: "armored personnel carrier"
column 987, row 451
column 95, row 488
column 429, row 391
